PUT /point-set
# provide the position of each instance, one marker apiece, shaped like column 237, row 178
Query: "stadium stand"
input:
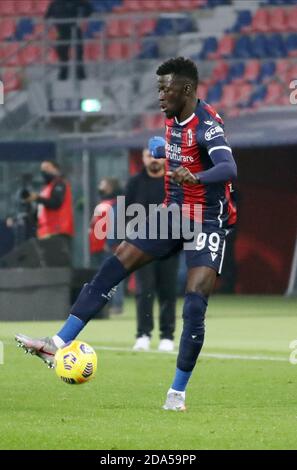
column 243, row 66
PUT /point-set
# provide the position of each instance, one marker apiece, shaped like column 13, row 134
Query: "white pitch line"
column 241, row 357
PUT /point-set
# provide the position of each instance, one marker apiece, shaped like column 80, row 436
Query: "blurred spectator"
column 69, row 9
column 24, row 221
column 6, row 236
column 104, row 243
column 153, row 279
column 55, row 210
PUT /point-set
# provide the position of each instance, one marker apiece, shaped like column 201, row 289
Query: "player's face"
column 172, row 95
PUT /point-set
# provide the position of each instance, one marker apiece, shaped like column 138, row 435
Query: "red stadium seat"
column 167, row 5
column 30, row 55
column 225, row 48
column 11, row 81
column 24, row 8
column 252, row 70
column 7, row 29
column 128, row 6
column 219, row 72
column 93, row 51
column 260, row 23
column 7, row 8
column 113, row 28
column 244, row 92
column 292, row 19
column 274, row 93
column 202, row 91
column 230, row 96
column 51, row 56
column 282, row 67
column 114, row 50
column 152, row 5
column 40, row 7
column 146, row 26
column 127, row 27
column 39, row 30
column 291, row 73
column 278, row 20
column 10, row 54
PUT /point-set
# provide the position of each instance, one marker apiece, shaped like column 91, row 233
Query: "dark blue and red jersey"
column 193, row 144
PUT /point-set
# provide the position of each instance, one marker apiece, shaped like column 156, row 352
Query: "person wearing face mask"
column 153, row 280
column 55, row 210
column 102, row 238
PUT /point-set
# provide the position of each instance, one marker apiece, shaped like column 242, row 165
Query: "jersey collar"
column 183, row 123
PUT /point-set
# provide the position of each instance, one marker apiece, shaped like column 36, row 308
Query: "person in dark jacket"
column 153, row 279
column 69, row 9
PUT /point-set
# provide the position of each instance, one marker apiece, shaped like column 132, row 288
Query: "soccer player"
column 200, row 168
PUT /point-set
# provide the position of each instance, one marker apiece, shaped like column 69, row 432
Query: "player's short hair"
column 181, row 67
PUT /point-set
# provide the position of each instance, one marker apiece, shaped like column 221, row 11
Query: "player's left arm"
column 220, row 153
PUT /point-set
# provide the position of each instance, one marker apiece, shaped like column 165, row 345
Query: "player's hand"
column 32, row 198
column 156, row 146
column 182, row 176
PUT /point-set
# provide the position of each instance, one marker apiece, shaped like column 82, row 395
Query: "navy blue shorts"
column 162, row 238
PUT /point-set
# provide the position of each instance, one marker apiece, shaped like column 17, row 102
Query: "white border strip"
column 242, row 357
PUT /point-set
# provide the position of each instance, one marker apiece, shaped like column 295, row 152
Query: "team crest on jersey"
column 213, row 132
column 189, row 137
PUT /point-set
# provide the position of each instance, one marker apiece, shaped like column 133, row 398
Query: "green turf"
column 232, row 403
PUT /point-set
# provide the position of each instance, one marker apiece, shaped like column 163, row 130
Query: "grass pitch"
column 241, row 396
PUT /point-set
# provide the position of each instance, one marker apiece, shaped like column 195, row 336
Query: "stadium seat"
column 274, row 93
column 252, row 70
column 219, row 72
column 11, row 81
column 10, row 54
column 258, row 96
column 243, row 48
column 149, row 50
column 214, row 94
column 236, row 72
column 243, row 20
column 291, row 74
column 24, row 8
column 276, row 46
column 113, row 29
column 93, row 51
column 7, row 29
column 260, row 46
column 7, row 8
column 267, row 71
column 128, row 6
column 153, row 121
column 31, row 54
column 291, row 45
column 244, row 93
column 229, row 97
column 225, row 48
column 51, row 56
column 24, row 29
column 278, row 20
column 260, row 22
column 210, row 45
column 94, row 29
column 202, row 91
column 282, row 67
column 146, row 26
column 127, row 27
column 40, row 7
column 292, row 19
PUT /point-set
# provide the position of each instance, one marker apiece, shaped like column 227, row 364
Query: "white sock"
column 58, row 341
column 183, row 394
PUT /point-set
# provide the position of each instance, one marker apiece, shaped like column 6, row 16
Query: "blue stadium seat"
column 276, row 46
column 236, row 71
column 149, row 50
column 244, row 18
column 267, row 70
column 94, row 27
column 105, row 6
column 243, row 48
column 210, row 45
column 215, row 93
column 24, row 27
column 291, row 43
column 258, row 95
column 260, row 46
